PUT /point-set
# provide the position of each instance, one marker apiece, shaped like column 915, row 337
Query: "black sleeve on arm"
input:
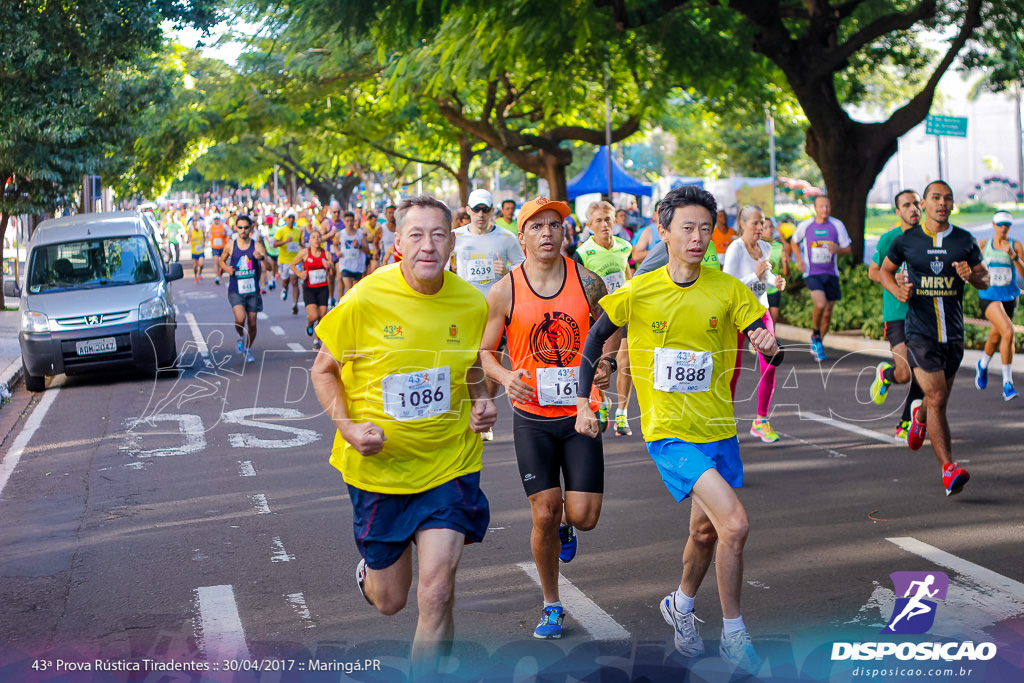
column 775, row 360
column 599, row 333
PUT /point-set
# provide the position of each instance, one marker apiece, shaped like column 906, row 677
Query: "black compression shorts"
column 547, row 447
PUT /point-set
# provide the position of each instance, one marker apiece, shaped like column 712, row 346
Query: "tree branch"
column 833, row 60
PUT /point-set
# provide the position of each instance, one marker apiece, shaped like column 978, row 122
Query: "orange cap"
column 535, row 206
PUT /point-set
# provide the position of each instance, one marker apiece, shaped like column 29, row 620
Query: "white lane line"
column 262, row 316
column 280, row 554
column 220, row 628
column 13, row 456
column 298, row 603
column 832, row 422
column 246, row 469
column 197, row 335
column 260, row 503
column 277, row 329
column 970, row 570
column 296, row 347
column 584, row 611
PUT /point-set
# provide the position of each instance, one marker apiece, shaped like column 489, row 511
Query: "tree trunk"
column 462, row 176
column 5, row 218
column 850, row 161
column 554, row 173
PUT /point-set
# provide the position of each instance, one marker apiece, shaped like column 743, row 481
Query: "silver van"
column 96, row 294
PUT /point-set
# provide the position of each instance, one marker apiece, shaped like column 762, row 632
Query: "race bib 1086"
column 416, row 395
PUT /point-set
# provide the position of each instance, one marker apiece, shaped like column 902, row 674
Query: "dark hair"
column 423, row 201
column 244, row 217
column 896, row 199
column 936, row 182
column 814, row 202
column 687, row 195
column 509, row 201
column 347, row 214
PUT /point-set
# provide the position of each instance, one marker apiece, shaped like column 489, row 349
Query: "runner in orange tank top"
column 545, row 306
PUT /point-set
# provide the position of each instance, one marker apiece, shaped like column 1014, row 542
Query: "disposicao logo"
column 914, row 614
column 915, row 611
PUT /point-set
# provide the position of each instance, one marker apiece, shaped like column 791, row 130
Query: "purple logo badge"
column 914, row 612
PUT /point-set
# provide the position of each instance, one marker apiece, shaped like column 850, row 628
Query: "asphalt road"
column 196, row 520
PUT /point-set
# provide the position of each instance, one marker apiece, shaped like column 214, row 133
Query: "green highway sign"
column 950, row 126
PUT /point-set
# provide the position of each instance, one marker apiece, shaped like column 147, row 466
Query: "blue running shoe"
column 241, row 344
column 570, row 543
column 550, row 625
column 818, row 350
column 980, row 376
column 1009, row 392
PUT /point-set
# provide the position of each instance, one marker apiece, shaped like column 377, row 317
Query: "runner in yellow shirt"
column 288, row 239
column 400, row 377
column 682, row 322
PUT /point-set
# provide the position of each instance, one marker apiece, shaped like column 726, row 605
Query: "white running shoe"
column 737, row 649
column 687, row 637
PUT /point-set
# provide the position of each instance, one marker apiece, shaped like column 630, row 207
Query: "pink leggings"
column 766, row 387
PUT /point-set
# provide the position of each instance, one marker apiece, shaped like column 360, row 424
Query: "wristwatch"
column 613, row 364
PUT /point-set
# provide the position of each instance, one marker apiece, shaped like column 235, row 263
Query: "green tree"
column 74, row 81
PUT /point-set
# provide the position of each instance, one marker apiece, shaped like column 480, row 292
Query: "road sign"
column 949, row 126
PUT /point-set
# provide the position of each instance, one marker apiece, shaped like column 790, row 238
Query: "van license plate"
column 93, row 346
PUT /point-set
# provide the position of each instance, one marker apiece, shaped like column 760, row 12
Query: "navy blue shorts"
column 826, row 283
column 384, row 523
column 351, row 274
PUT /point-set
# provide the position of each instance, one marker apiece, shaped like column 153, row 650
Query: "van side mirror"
column 11, row 289
column 174, row 272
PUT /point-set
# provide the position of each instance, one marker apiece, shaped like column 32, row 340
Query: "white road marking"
column 298, row 603
column 262, row 316
column 584, row 611
column 13, row 456
column 832, row 422
column 297, row 347
column 197, row 335
column 260, row 503
column 301, row 437
column 190, row 426
column 277, row 329
column 220, row 628
column 246, row 469
column 975, row 572
column 280, row 554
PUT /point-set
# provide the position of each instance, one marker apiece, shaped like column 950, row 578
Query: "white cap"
column 1003, row 217
column 290, row 213
column 478, row 197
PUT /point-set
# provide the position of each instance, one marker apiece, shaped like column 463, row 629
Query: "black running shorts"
column 933, row 356
column 547, row 447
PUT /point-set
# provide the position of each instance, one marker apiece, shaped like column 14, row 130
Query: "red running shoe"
column 954, row 477
column 915, row 437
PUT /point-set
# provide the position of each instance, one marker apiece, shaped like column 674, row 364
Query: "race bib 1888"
column 678, row 370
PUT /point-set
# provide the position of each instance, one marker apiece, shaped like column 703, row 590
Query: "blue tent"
column 595, row 179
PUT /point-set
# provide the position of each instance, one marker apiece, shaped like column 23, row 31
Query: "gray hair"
column 424, row 201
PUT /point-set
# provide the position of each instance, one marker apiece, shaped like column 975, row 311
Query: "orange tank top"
column 548, row 332
column 218, row 236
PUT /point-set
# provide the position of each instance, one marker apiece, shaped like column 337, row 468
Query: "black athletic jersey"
column 936, row 305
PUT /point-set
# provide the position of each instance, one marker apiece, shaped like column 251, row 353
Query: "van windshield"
column 95, row 262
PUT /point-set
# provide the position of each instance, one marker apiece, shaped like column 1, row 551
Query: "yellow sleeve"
column 618, row 305
column 747, row 309
column 338, row 329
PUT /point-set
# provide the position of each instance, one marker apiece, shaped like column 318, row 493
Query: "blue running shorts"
column 681, row 463
column 385, row 524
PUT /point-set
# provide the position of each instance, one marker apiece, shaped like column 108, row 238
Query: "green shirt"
column 710, row 259
column 892, row 308
column 776, row 260
column 507, row 225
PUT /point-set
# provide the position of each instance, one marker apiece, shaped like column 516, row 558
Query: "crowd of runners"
column 425, row 316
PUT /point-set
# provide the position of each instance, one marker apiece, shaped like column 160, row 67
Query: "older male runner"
column 399, row 375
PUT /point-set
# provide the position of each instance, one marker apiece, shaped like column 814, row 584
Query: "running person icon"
column 915, row 607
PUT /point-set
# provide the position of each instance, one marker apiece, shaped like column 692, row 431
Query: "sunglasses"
column 1005, row 225
column 481, row 209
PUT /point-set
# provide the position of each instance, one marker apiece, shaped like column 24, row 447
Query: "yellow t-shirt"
column 381, row 329
column 701, row 318
column 197, row 238
column 288, row 251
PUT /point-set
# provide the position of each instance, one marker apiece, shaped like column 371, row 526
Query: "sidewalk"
column 10, row 351
column 842, row 341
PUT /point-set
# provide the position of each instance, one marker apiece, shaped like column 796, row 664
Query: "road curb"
column 880, row 347
column 9, row 378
